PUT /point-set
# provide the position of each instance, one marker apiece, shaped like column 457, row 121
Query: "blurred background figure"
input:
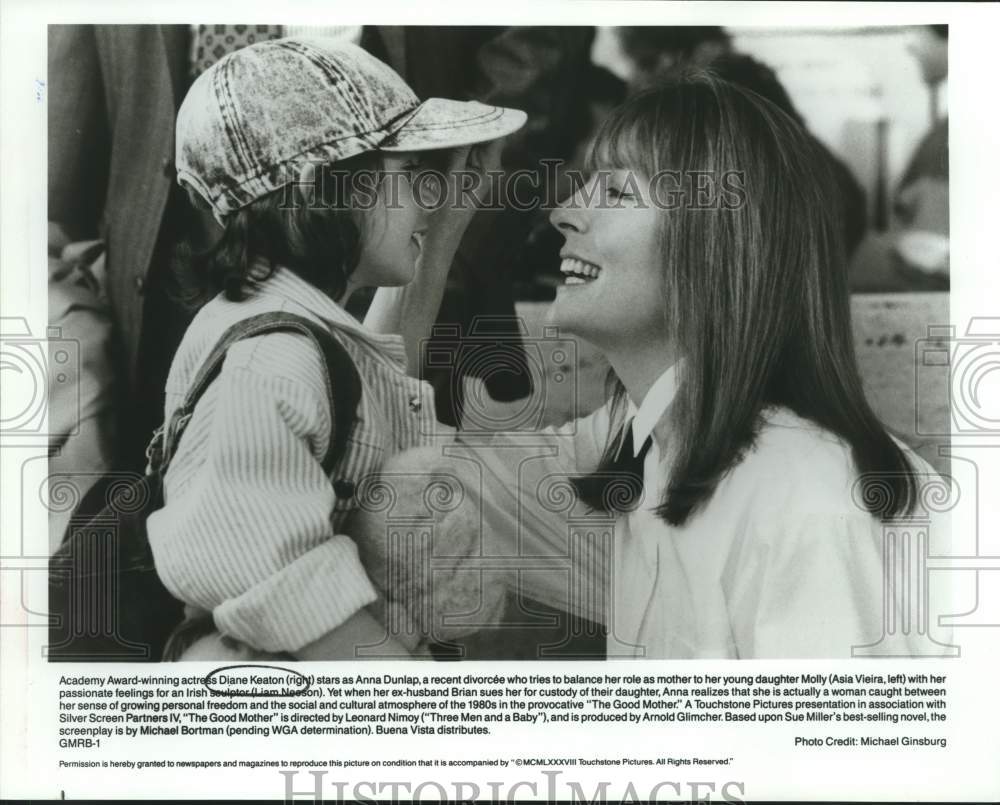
column 875, row 101
column 655, row 51
column 114, row 91
column 748, row 72
column 921, row 200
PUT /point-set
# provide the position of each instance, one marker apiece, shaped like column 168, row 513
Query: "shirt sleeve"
column 823, row 584
column 819, row 576
column 247, row 532
column 808, row 588
column 528, row 512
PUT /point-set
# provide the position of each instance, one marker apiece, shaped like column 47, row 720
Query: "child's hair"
column 756, row 292
column 313, row 228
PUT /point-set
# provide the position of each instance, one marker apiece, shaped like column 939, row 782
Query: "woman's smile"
column 612, row 242
column 578, row 271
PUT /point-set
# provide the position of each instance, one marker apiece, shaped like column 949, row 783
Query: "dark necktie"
column 616, row 485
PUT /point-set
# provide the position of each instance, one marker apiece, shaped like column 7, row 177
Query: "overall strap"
column 343, row 384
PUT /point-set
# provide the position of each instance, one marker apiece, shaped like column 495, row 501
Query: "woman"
column 307, row 152
column 704, row 263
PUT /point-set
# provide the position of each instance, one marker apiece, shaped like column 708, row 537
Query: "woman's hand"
column 467, row 188
column 360, row 637
column 411, row 310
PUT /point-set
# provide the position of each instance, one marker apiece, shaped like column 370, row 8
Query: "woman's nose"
column 570, row 215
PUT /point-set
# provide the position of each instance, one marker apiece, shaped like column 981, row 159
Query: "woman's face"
column 613, row 287
column 393, row 230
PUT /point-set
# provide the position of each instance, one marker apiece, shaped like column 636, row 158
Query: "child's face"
column 613, row 291
column 394, row 229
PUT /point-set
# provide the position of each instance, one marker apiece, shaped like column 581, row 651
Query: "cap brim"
column 443, row 123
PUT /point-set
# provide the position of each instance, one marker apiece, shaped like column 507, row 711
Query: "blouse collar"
column 654, row 405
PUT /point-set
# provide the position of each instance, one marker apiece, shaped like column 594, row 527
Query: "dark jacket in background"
column 113, row 96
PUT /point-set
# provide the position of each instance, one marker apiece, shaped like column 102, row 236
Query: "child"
column 289, row 142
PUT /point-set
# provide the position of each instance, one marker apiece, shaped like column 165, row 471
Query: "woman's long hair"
column 756, row 286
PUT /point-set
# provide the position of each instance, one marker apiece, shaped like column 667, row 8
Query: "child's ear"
column 307, row 174
column 196, row 200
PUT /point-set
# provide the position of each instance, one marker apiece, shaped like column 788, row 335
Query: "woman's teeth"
column 577, row 271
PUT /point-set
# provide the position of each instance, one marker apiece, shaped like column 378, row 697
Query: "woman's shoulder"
column 797, row 469
column 798, row 442
column 797, row 466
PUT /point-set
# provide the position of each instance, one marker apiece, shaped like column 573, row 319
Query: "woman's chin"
column 565, row 314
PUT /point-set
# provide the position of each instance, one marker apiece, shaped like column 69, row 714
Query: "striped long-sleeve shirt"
column 252, row 529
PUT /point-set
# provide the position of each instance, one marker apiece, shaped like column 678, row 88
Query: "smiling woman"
column 746, row 475
column 752, row 296
column 611, row 245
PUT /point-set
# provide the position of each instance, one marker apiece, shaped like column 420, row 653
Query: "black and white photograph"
column 428, row 337
column 578, row 398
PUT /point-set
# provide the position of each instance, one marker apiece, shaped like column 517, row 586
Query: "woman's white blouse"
column 783, row 561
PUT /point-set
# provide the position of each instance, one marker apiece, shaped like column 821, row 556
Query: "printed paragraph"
column 268, row 701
